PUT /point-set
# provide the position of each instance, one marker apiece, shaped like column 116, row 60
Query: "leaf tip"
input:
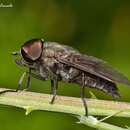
column 93, row 96
column 28, row 109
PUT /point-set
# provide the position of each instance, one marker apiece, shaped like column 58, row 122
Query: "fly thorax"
column 65, row 76
column 49, row 62
column 49, row 53
column 68, row 73
column 44, row 72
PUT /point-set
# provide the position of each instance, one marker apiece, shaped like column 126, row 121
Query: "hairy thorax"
column 50, row 66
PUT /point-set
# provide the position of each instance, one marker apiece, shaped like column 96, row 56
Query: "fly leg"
column 19, row 85
column 54, row 86
column 83, row 94
column 28, row 80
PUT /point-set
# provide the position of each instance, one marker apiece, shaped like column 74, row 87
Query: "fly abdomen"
column 93, row 81
column 103, row 85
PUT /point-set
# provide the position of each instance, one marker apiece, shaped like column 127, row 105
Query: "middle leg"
column 54, row 86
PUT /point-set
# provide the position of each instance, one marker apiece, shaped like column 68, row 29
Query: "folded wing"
column 94, row 66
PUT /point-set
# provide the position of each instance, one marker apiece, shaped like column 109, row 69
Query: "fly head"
column 32, row 50
column 29, row 53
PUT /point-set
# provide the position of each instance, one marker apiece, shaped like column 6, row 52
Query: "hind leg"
column 83, row 94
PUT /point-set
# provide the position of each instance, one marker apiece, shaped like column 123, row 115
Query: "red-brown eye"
column 32, row 50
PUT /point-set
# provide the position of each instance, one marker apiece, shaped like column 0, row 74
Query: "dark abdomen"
column 98, row 83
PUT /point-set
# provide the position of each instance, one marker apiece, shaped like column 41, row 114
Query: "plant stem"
column 36, row 101
column 93, row 122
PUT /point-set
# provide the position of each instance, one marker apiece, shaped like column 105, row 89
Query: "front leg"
column 19, row 85
column 28, row 80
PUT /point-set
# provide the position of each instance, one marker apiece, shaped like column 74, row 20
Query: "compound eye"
column 32, row 50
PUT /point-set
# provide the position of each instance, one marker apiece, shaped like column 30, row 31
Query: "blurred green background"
column 99, row 28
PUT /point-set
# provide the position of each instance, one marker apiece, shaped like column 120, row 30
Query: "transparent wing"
column 94, row 66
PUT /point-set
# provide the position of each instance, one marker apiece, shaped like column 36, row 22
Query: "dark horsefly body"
column 55, row 62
